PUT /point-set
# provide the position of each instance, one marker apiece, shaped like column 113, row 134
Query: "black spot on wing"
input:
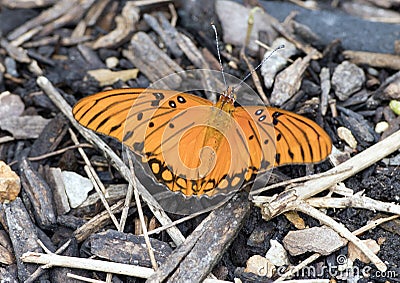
column 127, row 135
column 275, row 116
column 181, row 99
column 172, row 104
column 278, row 158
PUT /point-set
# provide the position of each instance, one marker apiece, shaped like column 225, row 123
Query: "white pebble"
column 346, row 135
column 382, row 126
column 76, row 187
column 112, row 62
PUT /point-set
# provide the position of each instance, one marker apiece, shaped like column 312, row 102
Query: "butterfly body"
column 199, row 148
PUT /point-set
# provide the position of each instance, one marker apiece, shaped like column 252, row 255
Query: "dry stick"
column 141, row 216
column 88, row 264
column 296, row 180
column 183, row 219
column 255, row 78
column 94, row 224
column 84, row 279
column 125, row 210
column 41, row 269
column 93, row 265
column 54, row 153
column 115, row 160
column 355, row 201
column 315, row 256
column 98, row 185
column 174, row 16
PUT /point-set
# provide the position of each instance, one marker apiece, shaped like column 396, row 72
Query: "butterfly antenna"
column 258, row 66
column 219, row 54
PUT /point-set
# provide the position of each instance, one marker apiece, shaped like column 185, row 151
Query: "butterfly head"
column 228, row 96
column 227, row 100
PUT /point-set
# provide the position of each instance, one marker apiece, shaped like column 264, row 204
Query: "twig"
column 84, row 279
column 94, row 265
column 174, row 16
column 141, row 216
column 183, row 219
column 6, row 139
column 96, row 222
column 125, row 210
column 88, row 264
column 297, row 180
column 255, row 78
column 41, row 269
column 115, row 161
column 98, row 185
column 150, row 2
column 54, row 153
column 355, row 201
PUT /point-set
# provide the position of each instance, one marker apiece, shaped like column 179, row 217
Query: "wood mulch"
column 53, row 53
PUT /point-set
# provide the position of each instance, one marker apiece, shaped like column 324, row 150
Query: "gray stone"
column 347, row 79
column 321, row 240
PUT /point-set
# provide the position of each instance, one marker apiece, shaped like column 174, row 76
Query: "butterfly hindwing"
column 299, row 140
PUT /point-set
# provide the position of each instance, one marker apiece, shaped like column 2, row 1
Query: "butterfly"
column 199, row 148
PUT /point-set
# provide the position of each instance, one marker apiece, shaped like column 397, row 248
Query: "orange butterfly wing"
column 196, row 148
column 107, row 112
column 298, row 139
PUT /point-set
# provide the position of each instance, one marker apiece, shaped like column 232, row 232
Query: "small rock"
column 24, row 127
column 76, row 187
column 382, row 126
column 393, row 161
column 108, row 77
column 112, row 62
column 257, row 238
column 11, row 105
column 392, row 91
column 354, row 253
column 295, row 219
column 234, row 19
column 10, row 185
column 395, row 106
column 288, row 81
column 277, row 254
column 11, row 66
column 260, row 265
column 322, row 240
column 346, row 135
column 347, row 79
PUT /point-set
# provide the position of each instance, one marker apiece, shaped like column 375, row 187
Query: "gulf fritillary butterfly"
column 200, row 148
